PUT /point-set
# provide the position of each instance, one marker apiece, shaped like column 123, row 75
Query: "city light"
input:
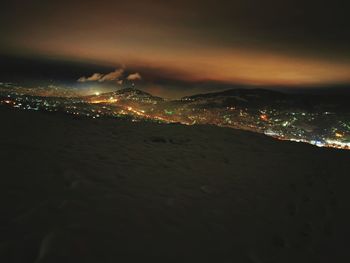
column 322, row 129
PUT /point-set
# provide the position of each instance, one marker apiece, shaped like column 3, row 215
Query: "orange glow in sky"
column 195, row 40
column 201, row 63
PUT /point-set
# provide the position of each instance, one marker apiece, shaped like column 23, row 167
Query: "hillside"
column 82, row 190
column 126, row 94
column 260, row 98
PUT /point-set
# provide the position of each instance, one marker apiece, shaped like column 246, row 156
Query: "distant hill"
column 127, row 94
column 238, row 92
column 246, row 98
column 257, row 98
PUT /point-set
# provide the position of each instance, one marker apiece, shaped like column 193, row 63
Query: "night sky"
column 178, row 47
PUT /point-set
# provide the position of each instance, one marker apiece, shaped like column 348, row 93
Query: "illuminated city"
column 326, row 126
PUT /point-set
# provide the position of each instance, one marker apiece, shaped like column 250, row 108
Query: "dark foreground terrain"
column 81, row 190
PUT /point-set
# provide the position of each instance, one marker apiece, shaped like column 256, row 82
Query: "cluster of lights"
column 293, row 126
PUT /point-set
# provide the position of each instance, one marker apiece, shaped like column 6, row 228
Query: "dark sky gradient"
column 238, row 42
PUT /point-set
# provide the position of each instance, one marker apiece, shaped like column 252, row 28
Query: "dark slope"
column 110, row 191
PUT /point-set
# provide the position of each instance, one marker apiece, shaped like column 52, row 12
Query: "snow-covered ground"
column 82, row 190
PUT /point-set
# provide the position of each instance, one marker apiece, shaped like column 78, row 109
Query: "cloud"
column 93, row 77
column 134, row 76
column 115, row 75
